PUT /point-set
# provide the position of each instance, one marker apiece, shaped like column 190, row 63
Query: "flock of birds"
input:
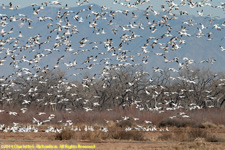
column 63, row 38
column 17, row 128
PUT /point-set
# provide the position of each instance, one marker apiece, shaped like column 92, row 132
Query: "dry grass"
column 131, row 135
column 115, row 131
column 176, row 138
column 210, row 125
column 99, row 135
column 194, row 133
column 220, row 126
column 64, row 135
column 214, row 138
column 207, row 124
column 190, row 135
column 165, row 137
column 203, row 126
column 197, row 144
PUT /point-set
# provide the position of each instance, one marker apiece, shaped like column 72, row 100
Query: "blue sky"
column 109, row 3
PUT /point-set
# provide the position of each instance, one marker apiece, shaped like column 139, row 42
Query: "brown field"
column 175, row 138
column 203, row 130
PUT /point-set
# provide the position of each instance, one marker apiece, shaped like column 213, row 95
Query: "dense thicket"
column 119, row 87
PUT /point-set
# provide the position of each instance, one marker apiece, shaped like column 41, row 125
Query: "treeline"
column 119, row 87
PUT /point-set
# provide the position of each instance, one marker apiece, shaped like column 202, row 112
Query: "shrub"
column 187, row 134
column 196, row 133
column 96, row 135
column 220, row 126
column 176, row 122
column 213, row 138
column 64, row 135
column 207, row 125
column 125, row 123
column 131, row 135
column 165, row 137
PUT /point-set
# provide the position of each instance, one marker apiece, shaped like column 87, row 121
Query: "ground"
column 155, row 140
